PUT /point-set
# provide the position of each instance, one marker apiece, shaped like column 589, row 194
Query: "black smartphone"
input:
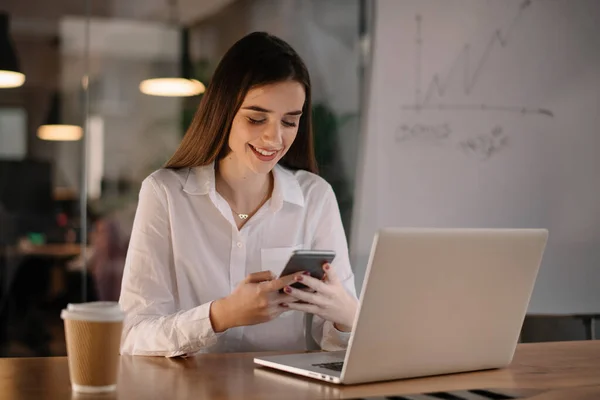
column 308, row 260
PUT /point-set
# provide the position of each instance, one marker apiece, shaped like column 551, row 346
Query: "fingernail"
column 298, row 278
column 306, row 273
column 283, row 305
column 287, row 289
column 326, row 266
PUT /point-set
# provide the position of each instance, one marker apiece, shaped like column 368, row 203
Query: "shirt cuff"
column 195, row 332
column 333, row 339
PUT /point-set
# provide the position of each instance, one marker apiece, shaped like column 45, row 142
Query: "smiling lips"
column 264, row 154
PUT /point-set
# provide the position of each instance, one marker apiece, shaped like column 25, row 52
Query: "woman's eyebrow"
column 264, row 110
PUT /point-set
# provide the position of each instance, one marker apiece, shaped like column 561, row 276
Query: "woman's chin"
column 263, row 167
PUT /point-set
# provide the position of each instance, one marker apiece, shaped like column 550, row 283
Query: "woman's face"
column 266, row 124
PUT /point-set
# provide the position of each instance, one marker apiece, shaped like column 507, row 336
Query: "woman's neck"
column 242, row 188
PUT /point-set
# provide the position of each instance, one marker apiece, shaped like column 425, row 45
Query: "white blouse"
column 186, row 251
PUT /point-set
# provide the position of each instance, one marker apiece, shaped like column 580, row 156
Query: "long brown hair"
column 255, row 60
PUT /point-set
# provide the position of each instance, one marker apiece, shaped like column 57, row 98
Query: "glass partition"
column 42, row 120
column 87, row 111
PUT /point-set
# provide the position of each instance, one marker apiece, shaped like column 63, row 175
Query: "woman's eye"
column 288, row 124
column 256, row 121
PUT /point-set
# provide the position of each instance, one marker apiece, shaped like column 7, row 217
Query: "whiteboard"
column 486, row 114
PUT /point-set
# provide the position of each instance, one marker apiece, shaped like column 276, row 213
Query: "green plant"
column 326, row 127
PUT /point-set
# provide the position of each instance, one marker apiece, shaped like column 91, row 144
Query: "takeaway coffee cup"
column 93, row 333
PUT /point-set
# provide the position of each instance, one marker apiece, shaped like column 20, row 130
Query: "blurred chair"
column 7, row 238
column 23, row 283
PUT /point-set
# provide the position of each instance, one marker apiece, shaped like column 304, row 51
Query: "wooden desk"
column 54, row 250
column 56, row 253
column 567, row 370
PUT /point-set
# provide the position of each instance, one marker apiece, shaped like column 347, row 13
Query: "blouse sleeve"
column 153, row 324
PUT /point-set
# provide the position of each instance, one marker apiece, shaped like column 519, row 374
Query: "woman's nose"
column 273, row 134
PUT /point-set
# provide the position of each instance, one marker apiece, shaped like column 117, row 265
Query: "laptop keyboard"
column 334, row 366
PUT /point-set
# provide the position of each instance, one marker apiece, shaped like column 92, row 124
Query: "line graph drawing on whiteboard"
column 438, row 86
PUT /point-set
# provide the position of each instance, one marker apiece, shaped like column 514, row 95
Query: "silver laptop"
column 434, row 301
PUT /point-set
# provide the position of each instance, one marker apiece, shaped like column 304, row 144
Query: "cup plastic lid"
column 100, row 311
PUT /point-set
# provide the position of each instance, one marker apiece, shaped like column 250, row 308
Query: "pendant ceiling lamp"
column 54, row 128
column 10, row 74
column 176, row 86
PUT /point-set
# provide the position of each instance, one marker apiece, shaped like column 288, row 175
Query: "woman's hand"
column 330, row 300
column 255, row 300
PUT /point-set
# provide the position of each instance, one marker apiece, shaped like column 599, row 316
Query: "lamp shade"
column 10, row 74
column 54, row 128
column 182, row 86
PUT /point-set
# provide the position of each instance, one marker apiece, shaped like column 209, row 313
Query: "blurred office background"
column 83, row 63
column 80, row 128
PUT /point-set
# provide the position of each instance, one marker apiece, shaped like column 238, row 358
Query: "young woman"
column 215, row 227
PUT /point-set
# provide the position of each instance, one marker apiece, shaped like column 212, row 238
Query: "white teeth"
column 264, row 152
